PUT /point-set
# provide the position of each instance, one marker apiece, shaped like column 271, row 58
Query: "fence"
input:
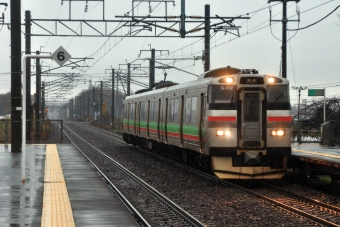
column 306, row 132
column 46, row 131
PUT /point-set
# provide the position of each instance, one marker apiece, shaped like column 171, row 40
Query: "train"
column 236, row 123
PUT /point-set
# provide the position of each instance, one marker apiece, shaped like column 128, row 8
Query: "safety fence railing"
column 306, row 132
column 46, row 131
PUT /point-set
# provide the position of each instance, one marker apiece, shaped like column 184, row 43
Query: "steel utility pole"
column 299, row 125
column 207, row 39
column 94, row 102
column 113, row 100
column 152, row 69
column 88, row 105
column 37, row 91
column 152, row 66
column 182, row 30
column 28, row 71
column 128, row 79
column 101, row 103
column 284, row 32
column 128, row 76
column 16, row 107
column 43, row 101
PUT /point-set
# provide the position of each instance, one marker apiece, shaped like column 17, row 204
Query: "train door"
column 251, row 119
column 148, row 118
column 201, row 124
column 165, row 122
column 159, row 120
column 138, row 119
column 128, row 116
column 181, row 120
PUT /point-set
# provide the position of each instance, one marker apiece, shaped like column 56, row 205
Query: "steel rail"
column 129, row 207
column 265, row 198
column 174, row 207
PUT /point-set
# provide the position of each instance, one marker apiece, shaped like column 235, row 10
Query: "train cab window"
column 278, row 97
column 222, row 97
column 251, row 107
column 190, row 110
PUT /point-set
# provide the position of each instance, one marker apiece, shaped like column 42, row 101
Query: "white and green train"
column 235, row 122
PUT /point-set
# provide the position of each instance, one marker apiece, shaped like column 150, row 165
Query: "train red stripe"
column 221, row 118
column 190, row 137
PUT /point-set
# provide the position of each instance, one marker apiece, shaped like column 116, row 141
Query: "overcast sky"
column 313, row 53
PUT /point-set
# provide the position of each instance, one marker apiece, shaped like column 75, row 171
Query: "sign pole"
column 60, row 56
column 324, row 105
column 23, row 114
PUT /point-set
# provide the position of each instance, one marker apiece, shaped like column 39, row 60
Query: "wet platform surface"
column 93, row 204
column 316, row 151
column 21, row 204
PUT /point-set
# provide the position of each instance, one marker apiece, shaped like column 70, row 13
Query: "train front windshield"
column 222, row 97
column 278, row 97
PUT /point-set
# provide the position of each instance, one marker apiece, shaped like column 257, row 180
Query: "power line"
column 315, row 22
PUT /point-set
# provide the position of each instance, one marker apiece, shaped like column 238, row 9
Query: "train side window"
column 143, row 112
column 127, row 111
column 187, row 110
column 132, row 111
column 171, row 110
column 176, row 108
column 153, row 111
column 193, row 110
column 190, row 110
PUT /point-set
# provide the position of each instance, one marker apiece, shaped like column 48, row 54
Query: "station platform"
column 61, row 189
column 317, row 151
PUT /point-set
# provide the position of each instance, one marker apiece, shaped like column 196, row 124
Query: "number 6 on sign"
column 61, row 56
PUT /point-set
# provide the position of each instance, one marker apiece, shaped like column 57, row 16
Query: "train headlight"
column 278, row 132
column 229, row 80
column 271, row 80
column 219, row 132
column 226, row 133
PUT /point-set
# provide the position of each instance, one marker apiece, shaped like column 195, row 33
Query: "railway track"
column 316, row 211
column 150, row 207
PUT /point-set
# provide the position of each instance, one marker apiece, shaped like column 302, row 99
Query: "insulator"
column 171, row 29
column 194, row 30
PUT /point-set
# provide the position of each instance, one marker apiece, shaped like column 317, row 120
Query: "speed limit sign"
column 61, row 56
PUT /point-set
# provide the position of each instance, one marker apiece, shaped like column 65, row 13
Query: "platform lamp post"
column 60, row 56
column 299, row 125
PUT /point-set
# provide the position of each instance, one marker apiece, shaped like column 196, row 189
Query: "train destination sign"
column 316, row 92
column 61, row 56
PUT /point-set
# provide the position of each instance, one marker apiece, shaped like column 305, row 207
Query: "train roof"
column 210, row 77
column 226, row 71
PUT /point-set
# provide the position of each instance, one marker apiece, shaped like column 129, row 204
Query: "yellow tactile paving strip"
column 56, row 204
column 317, row 153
